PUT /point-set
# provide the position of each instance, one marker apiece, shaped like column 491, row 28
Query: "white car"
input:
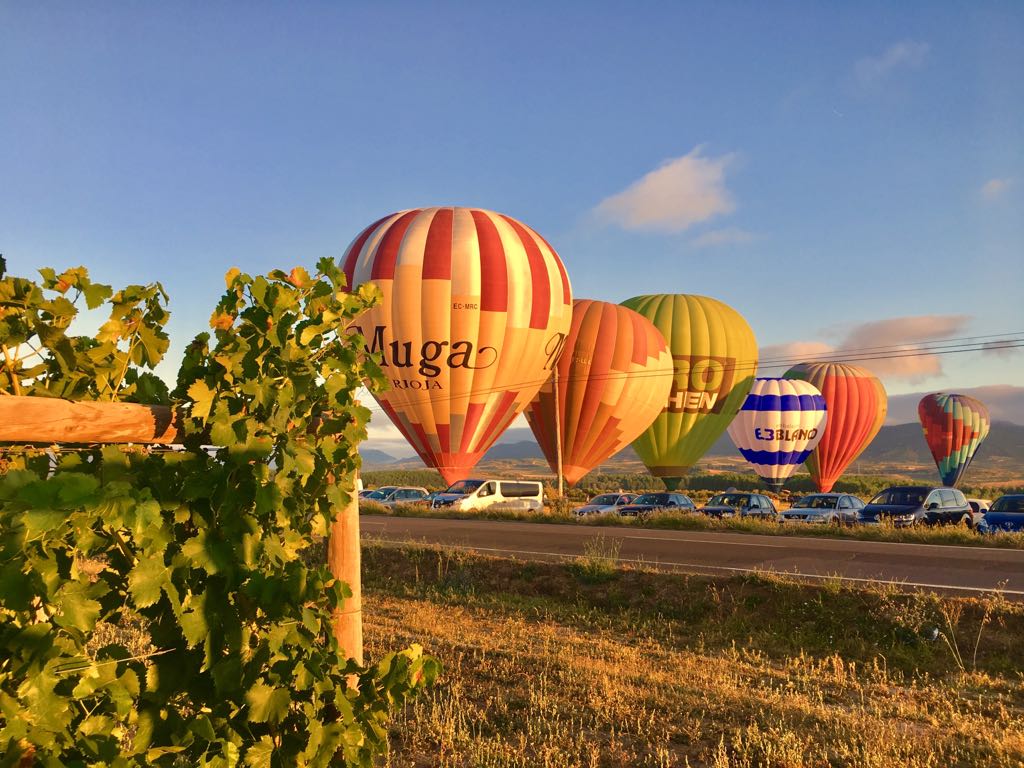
column 824, row 509
column 606, row 502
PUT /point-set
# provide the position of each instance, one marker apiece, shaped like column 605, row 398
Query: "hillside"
column 898, row 449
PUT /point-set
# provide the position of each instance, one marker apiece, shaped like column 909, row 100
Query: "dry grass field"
column 587, row 664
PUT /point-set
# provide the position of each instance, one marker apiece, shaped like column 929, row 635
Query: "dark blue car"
column 908, row 505
column 1006, row 514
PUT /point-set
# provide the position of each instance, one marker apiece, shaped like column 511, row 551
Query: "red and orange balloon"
column 476, row 307
column 857, row 404
column 613, row 380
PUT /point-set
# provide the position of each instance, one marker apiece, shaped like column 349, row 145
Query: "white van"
column 476, row 495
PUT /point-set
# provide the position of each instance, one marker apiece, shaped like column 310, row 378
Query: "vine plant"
column 202, row 549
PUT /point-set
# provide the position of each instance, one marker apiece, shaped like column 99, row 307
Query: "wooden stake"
column 343, row 558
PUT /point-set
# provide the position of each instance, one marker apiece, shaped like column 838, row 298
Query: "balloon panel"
column 613, row 379
column 954, row 427
column 474, row 313
column 714, row 354
column 780, row 423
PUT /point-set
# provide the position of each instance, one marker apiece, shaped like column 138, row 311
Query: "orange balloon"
column 613, row 380
column 857, row 405
column 476, row 307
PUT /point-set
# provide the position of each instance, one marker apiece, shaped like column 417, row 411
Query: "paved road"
column 963, row 570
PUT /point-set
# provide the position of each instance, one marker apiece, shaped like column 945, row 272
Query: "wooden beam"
column 48, row 420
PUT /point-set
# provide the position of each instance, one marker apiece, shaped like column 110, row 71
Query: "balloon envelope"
column 475, row 310
column 954, row 426
column 613, row 379
column 714, row 354
column 780, row 423
column 856, row 403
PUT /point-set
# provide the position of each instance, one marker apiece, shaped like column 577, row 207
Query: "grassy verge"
column 949, row 535
column 587, row 664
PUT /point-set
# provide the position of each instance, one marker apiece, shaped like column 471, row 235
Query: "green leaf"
column 39, row 521
column 260, row 754
column 76, row 607
column 95, row 294
column 202, row 399
column 267, row 704
column 147, row 579
column 194, row 627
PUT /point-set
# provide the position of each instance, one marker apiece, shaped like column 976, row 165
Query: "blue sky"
column 817, row 166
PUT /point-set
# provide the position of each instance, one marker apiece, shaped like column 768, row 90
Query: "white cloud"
column 994, row 189
column 727, row 236
column 680, row 193
column 888, row 348
column 908, row 53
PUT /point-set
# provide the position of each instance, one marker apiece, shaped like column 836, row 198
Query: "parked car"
column 736, row 504
column 606, row 502
column 906, row 505
column 978, row 509
column 475, row 495
column 1005, row 514
column 824, row 508
column 649, row 503
column 379, row 494
column 454, row 492
column 406, row 495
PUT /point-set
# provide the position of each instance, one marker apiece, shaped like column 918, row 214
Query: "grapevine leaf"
column 267, row 704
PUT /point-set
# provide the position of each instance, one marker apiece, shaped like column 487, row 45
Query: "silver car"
column 606, row 502
column 404, row 496
column 824, row 509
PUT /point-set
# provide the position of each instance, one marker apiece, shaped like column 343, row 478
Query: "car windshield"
column 653, row 498
column 376, row 495
column 728, row 500
column 464, row 486
column 1009, row 504
column 816, row 502
column 606, row 499
column 901, row 497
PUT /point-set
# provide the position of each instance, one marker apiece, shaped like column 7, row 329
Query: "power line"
column 863, row 354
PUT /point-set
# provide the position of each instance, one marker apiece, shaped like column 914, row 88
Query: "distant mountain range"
column 896, row 445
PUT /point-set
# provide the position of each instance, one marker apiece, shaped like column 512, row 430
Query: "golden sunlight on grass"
column 545, row 667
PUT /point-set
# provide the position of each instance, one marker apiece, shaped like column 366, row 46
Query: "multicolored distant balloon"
column 613, row 379
column 475, row 312
column 857, row 404
column 954, row 426
column 714, row 353
column 780, row 423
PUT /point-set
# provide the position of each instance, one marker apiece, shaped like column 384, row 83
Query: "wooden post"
column 558, row 435
column 343, row 558
column 49, row 420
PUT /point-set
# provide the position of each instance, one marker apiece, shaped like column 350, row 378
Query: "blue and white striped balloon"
column 778, row 426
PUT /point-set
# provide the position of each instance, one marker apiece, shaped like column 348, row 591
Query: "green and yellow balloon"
column 714, row 354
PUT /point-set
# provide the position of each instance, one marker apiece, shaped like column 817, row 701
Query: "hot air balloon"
column 954, row 426
column 780, row 423
column 476, row 307
column 613, row 379
column 856, row 402
column 714, row 353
